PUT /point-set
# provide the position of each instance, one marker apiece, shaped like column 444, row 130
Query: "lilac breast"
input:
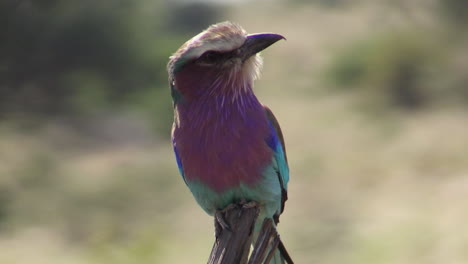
column 222, row 145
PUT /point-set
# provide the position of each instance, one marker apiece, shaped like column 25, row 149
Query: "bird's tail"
column 277, row 258
column 279, row 255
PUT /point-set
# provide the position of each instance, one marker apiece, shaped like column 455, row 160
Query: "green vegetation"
column 397, row 68
column 79, row 58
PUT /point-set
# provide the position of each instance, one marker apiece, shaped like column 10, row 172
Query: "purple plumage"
column 221, row 140
column 228, row 146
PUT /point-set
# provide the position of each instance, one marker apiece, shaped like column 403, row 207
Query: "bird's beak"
column 256, row 43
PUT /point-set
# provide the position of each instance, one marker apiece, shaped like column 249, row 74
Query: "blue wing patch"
column 276, row 142
column 179, row 162
column 272, row 140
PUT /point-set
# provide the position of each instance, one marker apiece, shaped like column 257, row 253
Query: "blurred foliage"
column 44, row 192
column 455, row 11
column 394, row 68
column 192, row 17
column 325, row 3
column 79, row 57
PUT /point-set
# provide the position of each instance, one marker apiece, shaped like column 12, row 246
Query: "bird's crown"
column 221, row 37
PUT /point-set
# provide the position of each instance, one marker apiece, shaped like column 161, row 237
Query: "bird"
column 228, row 146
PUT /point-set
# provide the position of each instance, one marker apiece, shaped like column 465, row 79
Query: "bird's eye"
column 210, row 57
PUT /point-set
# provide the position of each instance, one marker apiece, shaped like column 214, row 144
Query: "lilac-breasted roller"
column 228, row 146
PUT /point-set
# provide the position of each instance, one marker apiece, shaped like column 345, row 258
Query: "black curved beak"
column 256, row 43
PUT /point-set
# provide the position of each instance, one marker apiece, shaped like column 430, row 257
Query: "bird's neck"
column 196, row 82
column 216, row 95
column 219, row 109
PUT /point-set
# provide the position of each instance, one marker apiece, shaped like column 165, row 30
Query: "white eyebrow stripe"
column 221, row 37
column 220, row 45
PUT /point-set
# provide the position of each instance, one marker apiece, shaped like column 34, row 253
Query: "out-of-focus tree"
column 456, row 11
column 392, row 69
column 192, row 17
column 63, row 57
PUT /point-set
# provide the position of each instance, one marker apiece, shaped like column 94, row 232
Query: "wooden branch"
column 234, row 226
column 233, row 246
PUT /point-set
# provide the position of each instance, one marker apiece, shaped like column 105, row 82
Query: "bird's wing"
column 278, row 146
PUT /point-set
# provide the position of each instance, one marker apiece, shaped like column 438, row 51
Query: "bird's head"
column 223, row 58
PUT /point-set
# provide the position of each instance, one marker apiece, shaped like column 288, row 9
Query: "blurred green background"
column 372, row 97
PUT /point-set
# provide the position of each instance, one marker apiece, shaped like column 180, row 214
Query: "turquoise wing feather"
column 276, row 142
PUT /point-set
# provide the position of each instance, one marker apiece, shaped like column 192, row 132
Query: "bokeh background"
column 372, row 96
